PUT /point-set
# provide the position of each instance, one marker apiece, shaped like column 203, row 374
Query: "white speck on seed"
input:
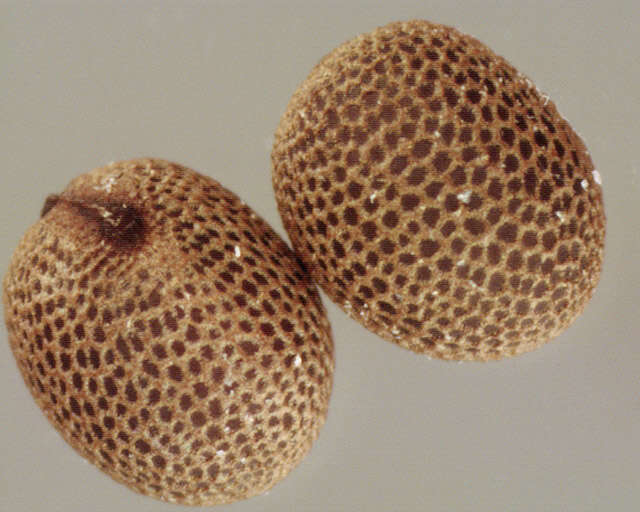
column 107, row 182
column 560, row 215
column 596, row 177
column 584, row 184
column 297, row 361
column 460, row 263
column 465, row 197
column 220, row 453
column 372, row 197
column 237, row 251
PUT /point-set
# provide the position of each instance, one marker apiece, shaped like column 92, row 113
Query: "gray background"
column 204, row 84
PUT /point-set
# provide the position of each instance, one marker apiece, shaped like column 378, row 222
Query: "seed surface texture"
column 169, row 334
column 438, row 196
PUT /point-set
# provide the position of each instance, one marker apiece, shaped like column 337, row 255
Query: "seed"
column 467, row 161
column 167, row 333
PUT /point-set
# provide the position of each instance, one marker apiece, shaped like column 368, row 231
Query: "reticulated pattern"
column 437, row 195
column 169, row 334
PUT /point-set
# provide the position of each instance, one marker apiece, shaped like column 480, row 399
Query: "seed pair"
column 176, row 342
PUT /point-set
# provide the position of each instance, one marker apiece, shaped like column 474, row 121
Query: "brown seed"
column 169, row 334
column 478, row 206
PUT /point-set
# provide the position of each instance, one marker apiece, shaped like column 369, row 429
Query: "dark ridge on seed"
column 49, row 203
column 121, row 225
